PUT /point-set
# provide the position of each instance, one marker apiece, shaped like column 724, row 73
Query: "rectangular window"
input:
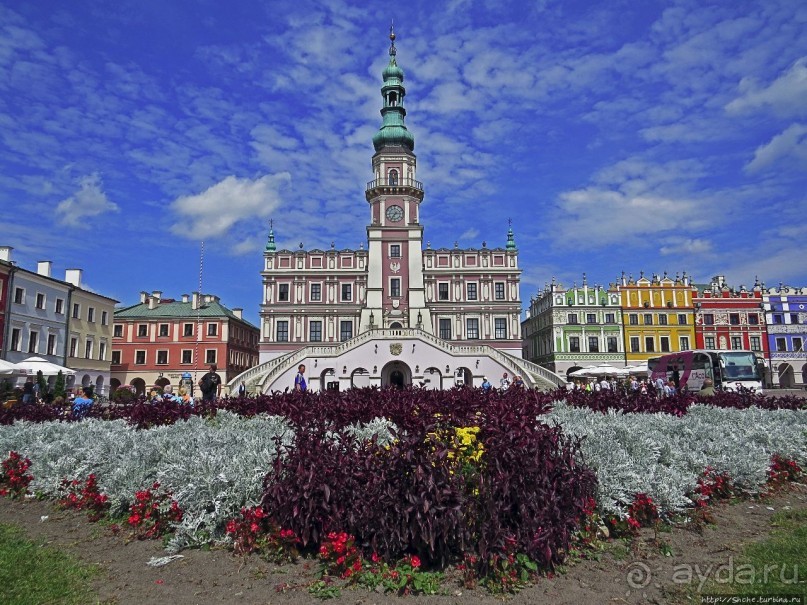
column 210, row 356
column 19, row 296
column 187, row 329
column 91, row 314
column 662, row 319
column 634, row 344
column 282, row 331
column 142, row 330
column 51, row 344
column 794, row 318
column 648, row 319
column 756, row 343
column 60, row 306
column 140, row 358
column 345, row 330
column 734, row 319
column 283, row 292
column 104, row 318
column 798, row 344
column 162, row 358
column 88, row 350
column 709, row 342
column 315, row 331
column 347, row 292
column 612, row 344
column 682, row 319
column 649, row 344
column 117, row 331
column 101, row 351
column 593, row 344
column 781, row 344
column 708, row 319
column 665, row 344
column 76, row 310
column 395, row 287
column 736, row 342
column 753, row 319
column 633, row 319
column 591, row 318
column 778, row 318
column 572, row 318
column 74, row 347
column 472, row 328
column 212, row 329
column 683, row 343
column 115, row 358
column 395, row 251
column 445, row 329
column 610, row 318
column 15, row 339
column 33, row 341
column 316, row 292
column 187, row 356
column 40, row 301
column 500, row 327
column 574, row 344
column 442, row 291
column 498, row 289
column 471, row 291
column 163, row 330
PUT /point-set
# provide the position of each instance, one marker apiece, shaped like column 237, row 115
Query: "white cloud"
column 790, row 144
column 214, row 212
column 685, row 246
column 785, row 95
column 88, row 202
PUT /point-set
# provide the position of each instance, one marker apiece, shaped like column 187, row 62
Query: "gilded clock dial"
column 395, row 213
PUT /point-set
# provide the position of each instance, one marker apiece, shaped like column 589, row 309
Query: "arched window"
column 393, row 99
column 393, row 177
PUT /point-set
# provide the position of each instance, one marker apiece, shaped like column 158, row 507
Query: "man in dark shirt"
column 210, row 384
column 28, row 391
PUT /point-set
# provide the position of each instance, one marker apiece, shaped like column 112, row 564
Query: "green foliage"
column 43, row 384
column 58, row 387
column 30, row 573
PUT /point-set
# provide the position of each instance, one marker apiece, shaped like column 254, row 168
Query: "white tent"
column 602, row 370
column 582, row 372
column 32, row 365
column 6, row 367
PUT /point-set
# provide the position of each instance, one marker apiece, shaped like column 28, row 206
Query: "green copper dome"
column 393, row 131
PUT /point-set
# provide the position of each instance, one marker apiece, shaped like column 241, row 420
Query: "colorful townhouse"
column 728, row 320
column 786, row 318
column 5, row 281
column 657, row 315
column 158, row 341
column 567, row 329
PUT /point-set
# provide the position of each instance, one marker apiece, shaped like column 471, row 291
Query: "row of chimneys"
column 155, row 298
column 45, row 268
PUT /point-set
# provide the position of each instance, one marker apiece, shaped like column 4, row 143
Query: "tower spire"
column 393, row 131
column 270, row 245
column 511, row 242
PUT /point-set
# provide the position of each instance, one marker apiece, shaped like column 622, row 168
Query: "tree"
column 58, row 388
column 43, row 384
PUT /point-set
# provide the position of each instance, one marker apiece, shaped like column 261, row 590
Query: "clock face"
column 395, row 213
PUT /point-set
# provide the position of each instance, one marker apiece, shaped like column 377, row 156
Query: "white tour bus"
column 729, row 370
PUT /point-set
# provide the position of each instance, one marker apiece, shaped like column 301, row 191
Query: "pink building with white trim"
column 393, row 313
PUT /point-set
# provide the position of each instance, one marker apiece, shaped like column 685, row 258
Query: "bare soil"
column 625, row 573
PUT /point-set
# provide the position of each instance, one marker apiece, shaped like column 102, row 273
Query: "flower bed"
column 494, row 482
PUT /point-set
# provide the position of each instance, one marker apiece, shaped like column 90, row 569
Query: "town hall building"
column 395, row 313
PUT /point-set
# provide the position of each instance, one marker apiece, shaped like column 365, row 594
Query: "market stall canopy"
column 6, row 368
column 581, row 373
column 603, row 370
column 32, row 365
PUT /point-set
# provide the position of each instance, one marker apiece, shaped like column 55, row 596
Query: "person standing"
column 210, row 384
column 485, row 383
column 81, row 405
column 708, row 389
column 299, row 380
column 242, row 389
column 504, row 383
column 28, row 391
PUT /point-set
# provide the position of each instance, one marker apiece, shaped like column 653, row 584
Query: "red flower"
column 415, row 561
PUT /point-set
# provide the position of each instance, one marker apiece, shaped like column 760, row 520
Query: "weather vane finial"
column 392, row 50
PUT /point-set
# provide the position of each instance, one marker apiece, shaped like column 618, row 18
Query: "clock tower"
column 395, row 286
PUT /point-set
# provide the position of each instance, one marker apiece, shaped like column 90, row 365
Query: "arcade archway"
column 787, row 377
column 396, row 374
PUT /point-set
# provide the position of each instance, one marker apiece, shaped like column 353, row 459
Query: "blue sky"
column 654, row 136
